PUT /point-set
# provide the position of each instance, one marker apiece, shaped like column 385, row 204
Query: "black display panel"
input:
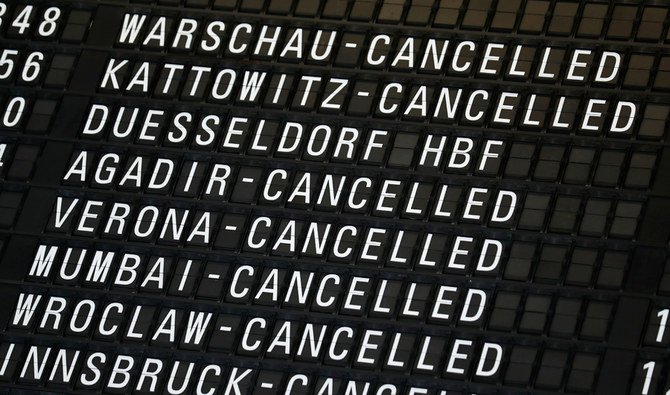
column 334, row 197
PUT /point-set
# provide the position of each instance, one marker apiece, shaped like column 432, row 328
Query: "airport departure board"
column 336, row 197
